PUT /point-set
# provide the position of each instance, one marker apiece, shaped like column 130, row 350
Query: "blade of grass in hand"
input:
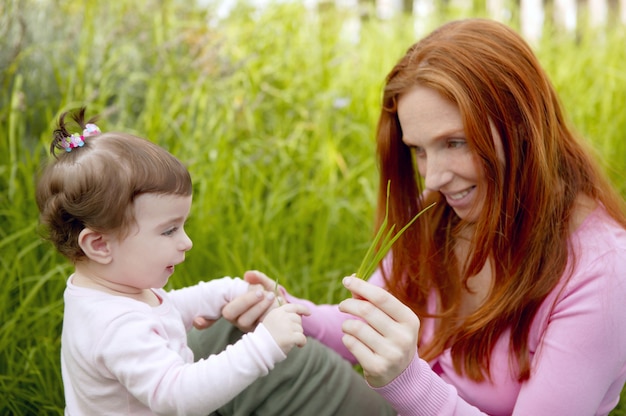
column 277, row 293
column 383, row 242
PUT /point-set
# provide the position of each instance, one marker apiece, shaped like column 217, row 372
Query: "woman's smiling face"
column 432, row 126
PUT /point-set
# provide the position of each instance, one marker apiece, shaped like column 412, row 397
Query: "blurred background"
column 272, row 105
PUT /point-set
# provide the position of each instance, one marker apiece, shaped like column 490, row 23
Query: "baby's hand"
column 285, row 325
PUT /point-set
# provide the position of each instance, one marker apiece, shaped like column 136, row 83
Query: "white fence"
column 564, row 13
column 567, row 14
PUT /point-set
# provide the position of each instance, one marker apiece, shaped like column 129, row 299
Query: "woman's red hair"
column 493, row 76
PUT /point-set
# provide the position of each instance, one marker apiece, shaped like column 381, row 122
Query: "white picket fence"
column 565, row 13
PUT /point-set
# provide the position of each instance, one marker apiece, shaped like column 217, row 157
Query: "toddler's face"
column 146, row 257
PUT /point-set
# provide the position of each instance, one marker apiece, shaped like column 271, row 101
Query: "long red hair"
column 491, row 73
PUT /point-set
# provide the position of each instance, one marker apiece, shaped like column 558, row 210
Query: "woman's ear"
column 95, row 245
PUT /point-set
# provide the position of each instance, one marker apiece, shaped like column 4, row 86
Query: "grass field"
column 274, row 114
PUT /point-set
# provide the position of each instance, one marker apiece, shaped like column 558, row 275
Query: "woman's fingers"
column 247, row 310
column 260, row 278
column 200, row 322
column 384, row 339
column 378, row 300
column 255, row 277
column 376, row 321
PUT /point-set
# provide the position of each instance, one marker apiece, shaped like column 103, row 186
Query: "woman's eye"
column 454, row 143
column 419, row 151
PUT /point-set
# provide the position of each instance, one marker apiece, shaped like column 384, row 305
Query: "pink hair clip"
column 72, row 142
column 77, row 140
column 91, row 130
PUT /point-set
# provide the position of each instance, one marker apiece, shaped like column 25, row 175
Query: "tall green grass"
column 274, row 113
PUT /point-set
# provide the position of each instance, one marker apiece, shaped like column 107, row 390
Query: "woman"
column 507, row 296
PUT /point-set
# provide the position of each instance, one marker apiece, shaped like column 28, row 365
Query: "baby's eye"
column 170, row 231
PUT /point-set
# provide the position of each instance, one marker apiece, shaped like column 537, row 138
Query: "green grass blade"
column 383, row 242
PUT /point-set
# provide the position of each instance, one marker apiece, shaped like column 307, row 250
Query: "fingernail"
column 259, row 294
column 347, row 281
column 270, row 296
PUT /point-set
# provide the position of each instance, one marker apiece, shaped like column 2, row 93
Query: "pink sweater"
column 120, row 356
column 577, row 342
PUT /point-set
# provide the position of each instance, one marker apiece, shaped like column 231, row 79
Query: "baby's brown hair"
column 94, row 184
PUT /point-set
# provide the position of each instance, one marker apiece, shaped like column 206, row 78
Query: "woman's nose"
column 437, row 173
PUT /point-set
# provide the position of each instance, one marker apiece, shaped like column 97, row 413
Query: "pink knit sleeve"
column 324, row 323
column 577, row 342
column 420, row 391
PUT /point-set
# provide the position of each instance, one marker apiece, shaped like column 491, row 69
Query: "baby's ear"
column 95, row 245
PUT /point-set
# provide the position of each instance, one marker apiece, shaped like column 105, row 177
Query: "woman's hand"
column 385, row 341
column 247, row 310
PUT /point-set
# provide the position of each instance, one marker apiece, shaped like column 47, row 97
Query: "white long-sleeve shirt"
column 120, row 356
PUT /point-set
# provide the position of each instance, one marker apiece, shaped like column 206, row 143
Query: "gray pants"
column 312, row 381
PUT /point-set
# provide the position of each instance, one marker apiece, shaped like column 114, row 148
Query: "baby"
column 115, row 205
